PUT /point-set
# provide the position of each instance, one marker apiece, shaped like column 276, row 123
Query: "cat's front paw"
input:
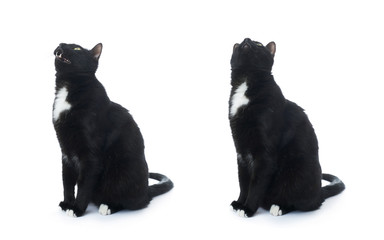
column 236, row 205
column 75, row 212
column 71, row 213
column 70, row 209
column 242, row 210
column 66, row 205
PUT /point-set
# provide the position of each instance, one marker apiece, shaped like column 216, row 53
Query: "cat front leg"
column 85, row 173
column 244, row 179
column 261, row 167
column 70, row 175
column 88, row 177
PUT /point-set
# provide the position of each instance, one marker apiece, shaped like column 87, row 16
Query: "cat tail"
column 164, row 185
column 335, row 187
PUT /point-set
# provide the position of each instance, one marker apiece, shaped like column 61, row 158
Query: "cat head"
column 72, row 58
column 252, row 55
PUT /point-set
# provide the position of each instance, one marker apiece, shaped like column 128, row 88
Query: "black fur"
column 102, row 147
column 276, row 144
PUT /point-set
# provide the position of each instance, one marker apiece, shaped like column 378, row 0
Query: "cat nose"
column 246, row 43
column 58, row 51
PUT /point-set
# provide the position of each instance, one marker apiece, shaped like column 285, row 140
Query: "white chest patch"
column 61, row 103
column 238, row 99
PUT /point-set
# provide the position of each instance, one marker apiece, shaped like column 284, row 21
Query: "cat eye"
column 259, row 44
column 77, row 49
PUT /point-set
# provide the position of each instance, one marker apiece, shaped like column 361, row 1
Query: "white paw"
column 275, row 211
column 242, row 213
column 104, row 210
column 70, row 213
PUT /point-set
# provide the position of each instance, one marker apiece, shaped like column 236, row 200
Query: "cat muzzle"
column 59, row 56
column 246, row 44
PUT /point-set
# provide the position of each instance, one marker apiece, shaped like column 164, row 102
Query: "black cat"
column 277, row 149
column 102, row 147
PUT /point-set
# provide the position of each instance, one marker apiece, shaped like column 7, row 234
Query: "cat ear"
column 96, row 51
column 272, row 48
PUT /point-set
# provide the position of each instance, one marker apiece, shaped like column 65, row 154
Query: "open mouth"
column 59, row 56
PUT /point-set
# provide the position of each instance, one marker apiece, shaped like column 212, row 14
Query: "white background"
column 168, row 63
